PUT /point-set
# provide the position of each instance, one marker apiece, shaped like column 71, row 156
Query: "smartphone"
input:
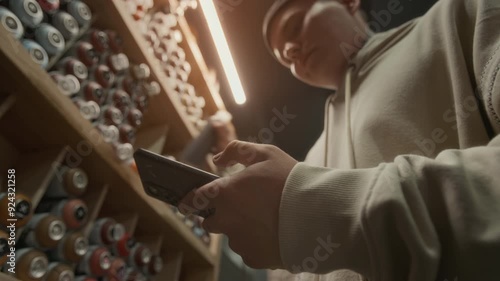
column 169, row 180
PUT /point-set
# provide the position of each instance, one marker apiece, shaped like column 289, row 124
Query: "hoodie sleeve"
column 414, row 219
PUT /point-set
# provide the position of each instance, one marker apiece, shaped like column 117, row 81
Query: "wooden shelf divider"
column 35, row 171
column 94, row 198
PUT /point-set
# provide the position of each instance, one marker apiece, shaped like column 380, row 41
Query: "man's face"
column 306, row 36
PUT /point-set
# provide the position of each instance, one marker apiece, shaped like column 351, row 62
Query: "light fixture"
column 222, row 47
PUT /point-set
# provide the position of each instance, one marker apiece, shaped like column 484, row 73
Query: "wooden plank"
column 164, row 106
column 54, row 120
column 6, row 102
column 152, row 138
column 197, row 274
column 216, row 250
column 172, row 268
column 94, row 198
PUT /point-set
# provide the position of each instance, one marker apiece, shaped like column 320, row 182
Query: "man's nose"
column 291, row 51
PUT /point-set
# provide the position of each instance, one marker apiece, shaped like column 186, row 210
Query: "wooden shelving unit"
column 37, row 119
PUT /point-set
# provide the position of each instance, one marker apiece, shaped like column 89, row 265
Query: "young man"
column 404, row 183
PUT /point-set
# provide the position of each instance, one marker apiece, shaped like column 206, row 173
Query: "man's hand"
column 247, row 203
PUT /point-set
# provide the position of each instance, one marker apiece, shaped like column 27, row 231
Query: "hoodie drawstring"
column 348, row 93
column 350, row 142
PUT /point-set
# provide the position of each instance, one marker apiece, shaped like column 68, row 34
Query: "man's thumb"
column 245, row 153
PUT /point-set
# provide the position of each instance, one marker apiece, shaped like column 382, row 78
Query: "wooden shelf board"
column 216, row 250
column 172, row 268
column 6, row 277
column 6, row 102
column 51, row 113
column 164, row 107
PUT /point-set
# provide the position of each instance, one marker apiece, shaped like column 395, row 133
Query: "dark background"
column 267, row 84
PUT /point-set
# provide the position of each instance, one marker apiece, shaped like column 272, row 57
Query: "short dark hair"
column 275, row 7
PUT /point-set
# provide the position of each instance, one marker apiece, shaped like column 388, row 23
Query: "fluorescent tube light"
column 222, row 47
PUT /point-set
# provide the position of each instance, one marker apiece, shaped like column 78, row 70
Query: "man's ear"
column 351, row 5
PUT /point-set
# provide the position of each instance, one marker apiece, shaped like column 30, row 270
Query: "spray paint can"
column 154, row 267
column 132, row 274
column 31, row 264
column 115, row 41
column 127, row 133
column 80, row 11
column 127, row 84
column 66, row 24
column 103, row 75
column 49, row 6
column 140, row 255
column 117, row 270
column 57, row 271
column 85, row 52
column 119, row 98
column 29, row 12
column 110, row 115
column 152, row 88
column 140, row 71
column 43, row 231
column 36, row 52
column 106, row 231
column 22, row 209
column 62, row 83
column 99, row 39
column 134, row 117
column 92, row 91
column 96, row 262
column 123, row 151
column 11, row 22
column 67, row 182
column 118, row 63
column 72, row 66
column 50, row 39
column 89, row 110
column 73, row 212
column 122, row 247
column 109, row 133
column 71, row 248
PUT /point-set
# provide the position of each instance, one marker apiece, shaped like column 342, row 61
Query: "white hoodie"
column 412, row 188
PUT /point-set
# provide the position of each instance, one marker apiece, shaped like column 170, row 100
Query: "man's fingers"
column 213, row 224
column 245, row 153
column 201, row 199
